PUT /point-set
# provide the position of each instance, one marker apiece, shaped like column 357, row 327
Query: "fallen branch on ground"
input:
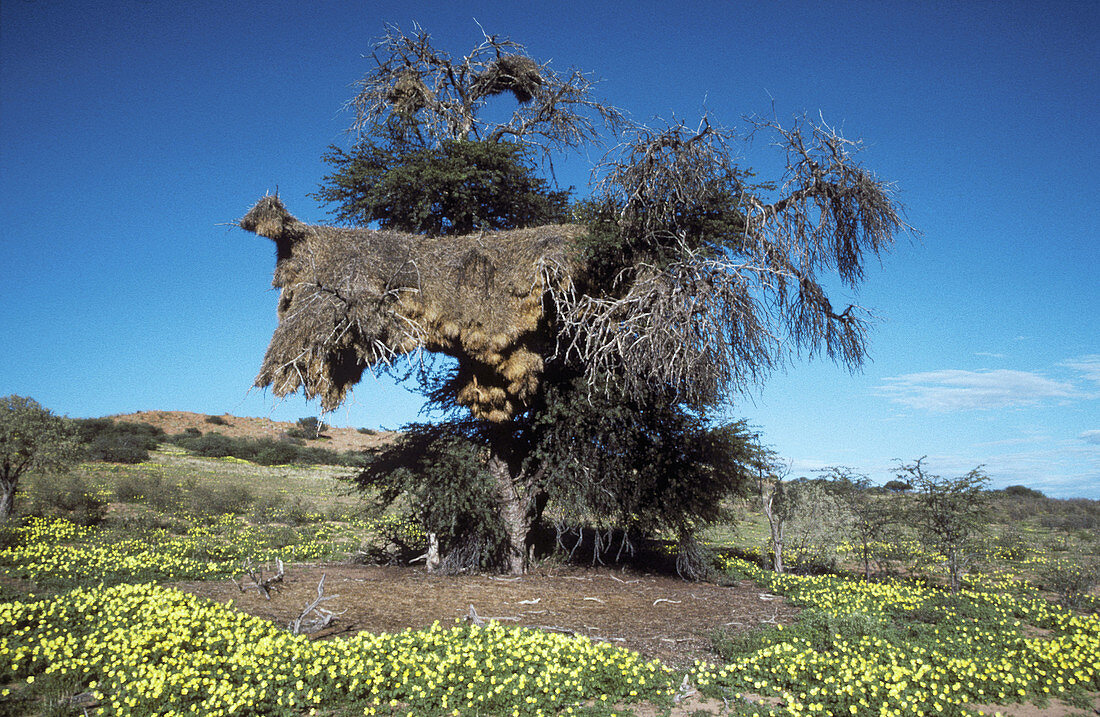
column 326, row 616
column 261, row 584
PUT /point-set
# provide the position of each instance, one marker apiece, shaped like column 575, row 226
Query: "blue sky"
column 132, row 133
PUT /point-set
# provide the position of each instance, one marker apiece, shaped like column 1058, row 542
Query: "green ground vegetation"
column 85, row 617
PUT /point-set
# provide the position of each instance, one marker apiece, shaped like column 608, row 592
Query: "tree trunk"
column 768, row 493
column 432, row 560
column 513, row 494
column 7, row 500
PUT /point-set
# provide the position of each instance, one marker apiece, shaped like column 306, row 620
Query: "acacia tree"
column 949, row 513
column 690, row 284
column 873, row 514
column 31, row 438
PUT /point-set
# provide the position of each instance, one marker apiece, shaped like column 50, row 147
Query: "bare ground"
column 658, row 616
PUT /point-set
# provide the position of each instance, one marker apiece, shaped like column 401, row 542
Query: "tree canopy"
column 456, row 187
column 31, row 438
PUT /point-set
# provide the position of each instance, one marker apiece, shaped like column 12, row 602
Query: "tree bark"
column 513, row 494
column 7, row 500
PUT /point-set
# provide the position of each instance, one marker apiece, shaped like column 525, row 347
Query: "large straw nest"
column 353, row 299
column 409, row 94
column 517, row 74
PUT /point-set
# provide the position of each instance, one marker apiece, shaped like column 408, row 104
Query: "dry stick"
column 327, row 616
column 261, row 585
column 675, row 602
column 478, row 620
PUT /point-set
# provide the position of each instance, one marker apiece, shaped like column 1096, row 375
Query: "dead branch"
column 424, row 96
column 259, row 582
column 709, row 308
column 325, row 617
column 474, row 619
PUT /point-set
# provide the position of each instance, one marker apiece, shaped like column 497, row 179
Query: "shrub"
column 211, row 445
column 67, row 496
column 117, row 441
column 1071, row 580
column 216, row 420
column 308, row 429
column 368, row 431
column 219, row 500
column 1019, row 491
column 121, row 448
column 274, row 453
column 262, row 451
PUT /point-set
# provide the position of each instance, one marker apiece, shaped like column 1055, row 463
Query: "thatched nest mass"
column 517, row 74
column 353, row 299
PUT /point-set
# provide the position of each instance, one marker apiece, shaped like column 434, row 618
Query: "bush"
column 1019, row 491
column 121, row 448
column 117, row 441
column 262, row 451
column 216, row 420
column 1072, row 580
column 275, row 453
column 213, row 501
column 368, row 431
column 67, row 496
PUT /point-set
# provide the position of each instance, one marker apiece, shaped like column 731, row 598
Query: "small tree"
column 817, row 524
column 872, row 514
column 31, row 438
column 776, row 504
column 949, row 513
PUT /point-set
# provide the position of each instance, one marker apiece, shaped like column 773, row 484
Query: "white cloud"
column 1087, row 365
column 1090, row 437
column 958, row 390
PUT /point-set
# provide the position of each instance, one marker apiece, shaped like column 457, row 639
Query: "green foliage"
column 117, row 441
column 949, row 513
column 873, row 514
column 31, row 439
column 69, row 496
column 898, row 486
column 1020, row 491
column 307, row 429
column 262, row 451
column 648, row 466
column 456, row 187
column 441, row 471
column 216, row 420
column 817, row 523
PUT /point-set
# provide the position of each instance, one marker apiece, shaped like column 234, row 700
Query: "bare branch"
column 261, row 584
column 421, row 95
column 725, row 284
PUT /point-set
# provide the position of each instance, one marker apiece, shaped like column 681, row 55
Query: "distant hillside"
column 339, row 439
